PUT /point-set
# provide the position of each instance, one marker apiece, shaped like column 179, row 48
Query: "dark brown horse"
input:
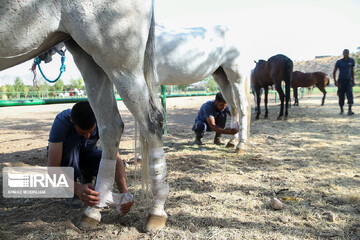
column 273, row 71
column 300, row 79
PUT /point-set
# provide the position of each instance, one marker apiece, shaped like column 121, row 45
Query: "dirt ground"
column 311, row 163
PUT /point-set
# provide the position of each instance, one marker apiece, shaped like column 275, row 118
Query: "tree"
column 26, row 91
column 3, row 92
column 357, row 66
column 182, row 87
column 59, row 85
column 211, row 85
column 18, row 85
column 76, row 83
column 10, row 91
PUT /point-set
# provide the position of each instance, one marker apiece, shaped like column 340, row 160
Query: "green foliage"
column 10, row 91
column 211, row 85
column 18, row 85
column 3, row 89
column 76, row 83
column 357, row 67
column 26, row 90
column 181, row 87
column 59, row 85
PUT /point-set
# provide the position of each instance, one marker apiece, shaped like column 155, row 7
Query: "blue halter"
column 37, row 62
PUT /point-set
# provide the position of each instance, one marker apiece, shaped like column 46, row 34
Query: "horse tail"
column 149, row 67
column 327, row 80
column 288, row 75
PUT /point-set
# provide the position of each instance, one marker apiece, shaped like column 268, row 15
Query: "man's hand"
column 232, row 131
column 336, row 83
column 125, row 208
column 87, row 194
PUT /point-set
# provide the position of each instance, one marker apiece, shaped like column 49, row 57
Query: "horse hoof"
column 257, row 117
column 87, row 222
column 279, row 118
column 240, row 151
column 154, row 223
column 230, row 145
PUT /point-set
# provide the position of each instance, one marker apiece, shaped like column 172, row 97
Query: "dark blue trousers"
column 201, row 127
column 83, row 161
column 345, row 87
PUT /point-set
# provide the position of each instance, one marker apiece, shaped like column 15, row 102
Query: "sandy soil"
column 311, row 163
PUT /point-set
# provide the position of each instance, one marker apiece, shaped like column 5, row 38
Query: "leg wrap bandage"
column 160, row 186
column 105, row 181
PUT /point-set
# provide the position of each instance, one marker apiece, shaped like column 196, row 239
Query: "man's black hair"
column 83, row 116
column 219, row 97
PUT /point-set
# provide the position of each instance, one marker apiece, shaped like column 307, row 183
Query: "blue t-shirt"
column 345, row 68
column 208, row 109
column 63, row 130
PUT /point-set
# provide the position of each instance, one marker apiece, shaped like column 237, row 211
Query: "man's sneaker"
column 351, row 113
column 341, row 112
column 218, row 141
column 198, row 141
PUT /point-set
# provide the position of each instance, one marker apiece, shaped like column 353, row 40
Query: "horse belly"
column 27, row 28
column 303, row 81
column 186, row 57
column 179, row 75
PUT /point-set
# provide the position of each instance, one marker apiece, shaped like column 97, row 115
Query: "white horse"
column 64, row 95
column 188, row 55
column 112, row 43
column 79, row 92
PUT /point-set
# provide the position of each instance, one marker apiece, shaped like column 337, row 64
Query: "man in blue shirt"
column 212, row 117
column 345, row 81
column 73, row 143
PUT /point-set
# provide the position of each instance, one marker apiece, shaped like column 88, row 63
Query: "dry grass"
column 310, row 162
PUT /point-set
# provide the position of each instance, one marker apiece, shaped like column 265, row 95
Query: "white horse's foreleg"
column 146, row 111
column 240, row 98
column 102, row 100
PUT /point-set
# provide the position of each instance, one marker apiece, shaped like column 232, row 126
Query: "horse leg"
column 100, row 94
column 228, row 93
column 322, row 89
column 258, row 100
column 323, row 99
column 266, row 90
column 235, row 88
column 281, row 96
column 296, row 103
column 146, row 110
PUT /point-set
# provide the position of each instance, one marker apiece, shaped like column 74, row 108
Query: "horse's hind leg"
column 322, row 89
column 258, row 100
column 266, row 90
column 323, row 99
column 295, row 90
column 102, row 100
column 281, row 96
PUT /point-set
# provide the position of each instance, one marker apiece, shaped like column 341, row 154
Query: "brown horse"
column 273, row 71
column 300, row 79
